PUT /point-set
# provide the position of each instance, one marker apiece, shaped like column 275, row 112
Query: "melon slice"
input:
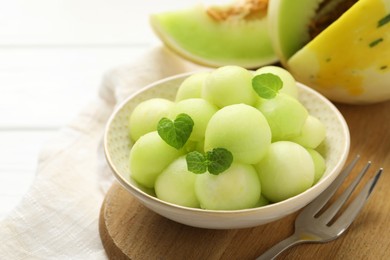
column 348, row 60
column 216, row 36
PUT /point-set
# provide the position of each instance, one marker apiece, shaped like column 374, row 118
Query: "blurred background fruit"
column 339, row 48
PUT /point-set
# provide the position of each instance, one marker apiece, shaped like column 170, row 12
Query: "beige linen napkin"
column 58, row 217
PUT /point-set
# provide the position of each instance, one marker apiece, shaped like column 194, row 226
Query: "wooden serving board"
column 130, row 231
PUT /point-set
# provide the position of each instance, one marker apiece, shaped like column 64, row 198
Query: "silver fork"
column 309, row 227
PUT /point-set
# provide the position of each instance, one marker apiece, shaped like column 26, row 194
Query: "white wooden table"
column 53, row 55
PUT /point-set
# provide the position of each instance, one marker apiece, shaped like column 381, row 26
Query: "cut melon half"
column 236, row 34
column 349, row 59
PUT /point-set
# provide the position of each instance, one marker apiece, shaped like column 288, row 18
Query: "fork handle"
column 280, row 247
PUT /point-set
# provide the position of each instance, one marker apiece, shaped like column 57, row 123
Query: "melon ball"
column 177, row 185
column 148, row 158
column 199, row 110
column 286, row 170
column 289, row 83
column 229, row 85
column 241, row 129
column 236, row 188
column 146, row 115
column 191, row 87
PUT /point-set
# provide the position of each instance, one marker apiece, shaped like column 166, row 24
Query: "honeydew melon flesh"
column 348, row 61
column 214, row 36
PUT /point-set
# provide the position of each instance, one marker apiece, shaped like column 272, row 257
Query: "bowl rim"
column 286, row 204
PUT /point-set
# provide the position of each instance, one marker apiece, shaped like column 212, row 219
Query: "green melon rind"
column 288, row 22
column 197, row 37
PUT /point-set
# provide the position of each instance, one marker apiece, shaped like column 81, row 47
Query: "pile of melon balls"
column 272, row 142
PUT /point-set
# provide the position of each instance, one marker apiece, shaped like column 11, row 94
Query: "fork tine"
column 334, row 208
column 345, row 220
column 321, row 200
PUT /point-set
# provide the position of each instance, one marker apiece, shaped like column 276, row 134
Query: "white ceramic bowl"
column 117, row 145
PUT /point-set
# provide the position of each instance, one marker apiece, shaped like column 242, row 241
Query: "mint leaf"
column 196, row 162
column 216, row 161
column 175, row 133
column 219, row 160
column 267, row 85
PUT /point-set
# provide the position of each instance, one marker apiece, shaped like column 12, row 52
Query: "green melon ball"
column 177, row 185
column 199, row 110
column 148, row 158
column 241, row 129
column 319, row 164
column 191, row 87
column 236, row 188
column 190, row 146
column 286, row 170
column 229, row 85
column 285, row 115
column 199, row 146
column 145, row 116
column 289, row 83
column 263, row 201
column 312, row 134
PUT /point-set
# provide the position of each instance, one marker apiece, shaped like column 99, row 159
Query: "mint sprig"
column 175, row 133
column 215, row 161
column 267, row 85
column 196, row 162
